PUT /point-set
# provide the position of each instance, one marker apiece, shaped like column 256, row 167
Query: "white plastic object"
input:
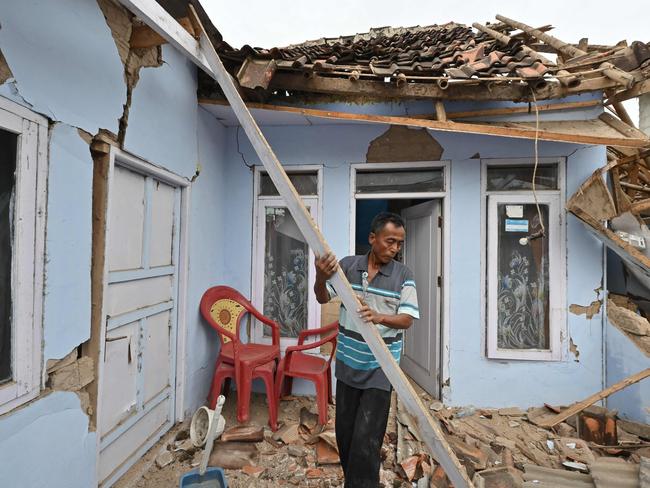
column 201, row 422
column 632, row 239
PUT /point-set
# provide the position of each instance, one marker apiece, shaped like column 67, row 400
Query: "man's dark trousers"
column 361, row 418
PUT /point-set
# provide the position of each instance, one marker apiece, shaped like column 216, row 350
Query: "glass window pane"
column 404, row 181
column 523, row 281
column 8, row 144
column 285, row 273
column 305, row 183
column 509, row 178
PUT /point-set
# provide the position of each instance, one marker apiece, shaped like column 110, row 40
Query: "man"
column 389, row 302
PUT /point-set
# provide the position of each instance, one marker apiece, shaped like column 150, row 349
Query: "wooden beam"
column 204, row 51
column 637, row 90
column 519, row 131
column 580, row 406
column 566, row 78
column 611, row 71
column 143, row 36
column 365, row 89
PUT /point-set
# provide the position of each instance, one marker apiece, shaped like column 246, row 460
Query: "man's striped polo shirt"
column 391, row 292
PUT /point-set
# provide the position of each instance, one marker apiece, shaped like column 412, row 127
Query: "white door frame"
column 444, row 196
column 178, row 352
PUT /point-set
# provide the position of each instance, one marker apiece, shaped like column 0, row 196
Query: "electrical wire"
column 539, row 213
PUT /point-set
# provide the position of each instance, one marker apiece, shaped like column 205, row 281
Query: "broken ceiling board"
column 633, row 325
column 637, row 262
column 204, row 52
column 587, row 131
column 593, row 198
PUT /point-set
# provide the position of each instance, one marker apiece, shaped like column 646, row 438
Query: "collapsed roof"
column 506, row 60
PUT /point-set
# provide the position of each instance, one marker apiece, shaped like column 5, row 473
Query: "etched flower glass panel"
column 523, row 279
column 285, row 273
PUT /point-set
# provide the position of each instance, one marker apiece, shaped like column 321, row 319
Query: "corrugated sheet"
column 539, row 477
column 615, row 473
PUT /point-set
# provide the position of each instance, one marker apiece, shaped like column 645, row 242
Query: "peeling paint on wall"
column 399, row 144
column 573, row 347
column 588, row 310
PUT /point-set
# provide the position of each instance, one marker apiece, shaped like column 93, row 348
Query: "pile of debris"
column 509, row 447
column 499, row 448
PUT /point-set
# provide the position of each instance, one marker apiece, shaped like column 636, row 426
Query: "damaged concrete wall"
column 68, row 243
column 474, row 379
column 48, row 444
column 62, row 61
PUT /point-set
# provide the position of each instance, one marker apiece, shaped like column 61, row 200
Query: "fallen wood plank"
column 582, row 132
column 158, row 19
column 637, row 90
column 580, row 406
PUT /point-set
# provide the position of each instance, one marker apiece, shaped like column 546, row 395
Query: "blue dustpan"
column 205, row 477
column 213, row 478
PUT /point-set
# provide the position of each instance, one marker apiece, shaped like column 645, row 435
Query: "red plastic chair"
column 223, row 308
column 297, row 364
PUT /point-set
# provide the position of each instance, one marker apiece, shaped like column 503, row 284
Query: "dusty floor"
column 498, row 447
column 282, row 469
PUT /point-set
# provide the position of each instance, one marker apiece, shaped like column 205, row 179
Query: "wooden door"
column 137, row 376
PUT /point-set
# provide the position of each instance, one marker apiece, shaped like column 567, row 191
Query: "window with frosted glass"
column 523, row 276
column 286, row 272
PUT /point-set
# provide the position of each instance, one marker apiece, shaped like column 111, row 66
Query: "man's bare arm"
column 326, row 266
column 397, row 321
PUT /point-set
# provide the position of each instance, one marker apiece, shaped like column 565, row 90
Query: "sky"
column 280, row 22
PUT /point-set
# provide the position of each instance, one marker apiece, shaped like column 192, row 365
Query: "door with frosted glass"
column 285, row 272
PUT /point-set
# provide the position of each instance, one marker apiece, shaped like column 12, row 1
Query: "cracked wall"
column 68, row 61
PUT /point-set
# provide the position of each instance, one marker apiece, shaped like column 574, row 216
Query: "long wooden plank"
column 580, row 406
column 489, row 112
column 519, row 131
column 365, row 89
column 159, row 20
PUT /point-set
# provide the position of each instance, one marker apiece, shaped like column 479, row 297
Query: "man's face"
column 387, row 242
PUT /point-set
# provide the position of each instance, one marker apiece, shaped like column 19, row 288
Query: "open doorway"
column 421, row 253
column 416, row 191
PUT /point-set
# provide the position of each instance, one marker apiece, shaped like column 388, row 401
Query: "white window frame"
column 314, row 203
column 27, row 253
column 555, row 199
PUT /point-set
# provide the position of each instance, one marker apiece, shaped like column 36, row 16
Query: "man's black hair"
column 381, row 219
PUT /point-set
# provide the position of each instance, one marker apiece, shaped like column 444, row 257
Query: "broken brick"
column 244, row 433
column 326, row 454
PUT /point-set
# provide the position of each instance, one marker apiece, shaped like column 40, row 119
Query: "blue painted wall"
column 473, row 378
column 66, row 67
